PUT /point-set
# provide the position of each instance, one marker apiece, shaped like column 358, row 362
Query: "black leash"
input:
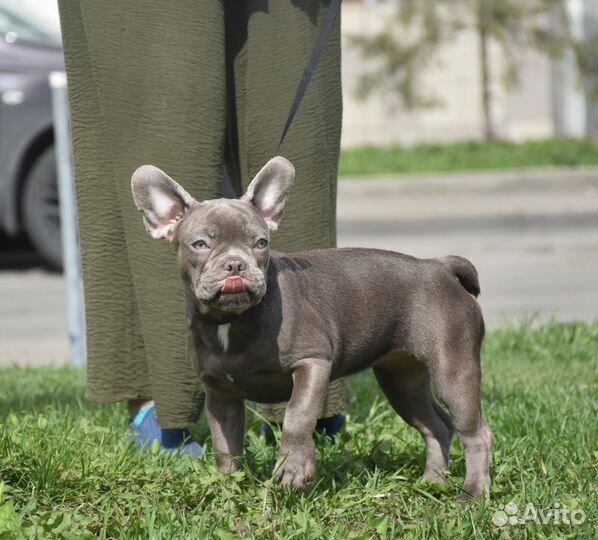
column 333, row 10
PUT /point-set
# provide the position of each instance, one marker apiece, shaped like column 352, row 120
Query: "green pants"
column 192, row 87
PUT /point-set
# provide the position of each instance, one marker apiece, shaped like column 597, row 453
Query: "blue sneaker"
column 330, row 426
column 145, row 428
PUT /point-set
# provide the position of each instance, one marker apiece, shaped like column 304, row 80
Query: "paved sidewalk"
column 479, row 195
column 533, row 235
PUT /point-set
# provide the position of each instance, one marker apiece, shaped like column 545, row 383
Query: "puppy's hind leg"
column 406, row 384
column 458, row 385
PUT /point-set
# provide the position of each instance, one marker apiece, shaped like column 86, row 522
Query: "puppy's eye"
column 200, row 244
column 261, row 243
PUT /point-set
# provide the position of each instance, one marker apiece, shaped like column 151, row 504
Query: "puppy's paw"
column 296, row 466
column 474, row 491
column 226, row 463
column 436, row 475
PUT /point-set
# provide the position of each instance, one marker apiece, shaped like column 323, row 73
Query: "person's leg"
column 267, row 51
column 116, row 363
column 268, row 68
column 146, row 84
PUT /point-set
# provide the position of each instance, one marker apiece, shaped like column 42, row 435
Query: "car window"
column 15, row 28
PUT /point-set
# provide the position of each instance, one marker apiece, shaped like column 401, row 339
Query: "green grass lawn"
column 67, row 472
column 469, row 156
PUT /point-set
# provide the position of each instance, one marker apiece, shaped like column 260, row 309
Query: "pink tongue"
column 233, row 284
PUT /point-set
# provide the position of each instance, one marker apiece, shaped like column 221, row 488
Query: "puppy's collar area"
column 225, row 318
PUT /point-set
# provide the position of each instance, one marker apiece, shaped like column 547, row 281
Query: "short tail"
column 464, row 271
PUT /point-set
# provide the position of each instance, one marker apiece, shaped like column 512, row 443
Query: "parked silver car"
column 29, row 51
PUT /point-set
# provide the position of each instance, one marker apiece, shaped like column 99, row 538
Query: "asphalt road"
column 533, row 237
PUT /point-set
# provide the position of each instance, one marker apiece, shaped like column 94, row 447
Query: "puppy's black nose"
column 234, row 266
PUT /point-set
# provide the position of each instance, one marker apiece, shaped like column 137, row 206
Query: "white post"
column 68, row 218
column 574, row 117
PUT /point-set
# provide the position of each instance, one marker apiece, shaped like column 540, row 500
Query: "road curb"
column 520, row 180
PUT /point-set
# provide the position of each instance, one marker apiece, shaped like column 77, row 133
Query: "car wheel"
column 41, row 216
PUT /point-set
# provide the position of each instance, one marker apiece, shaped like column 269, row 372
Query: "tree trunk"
column 488, row 124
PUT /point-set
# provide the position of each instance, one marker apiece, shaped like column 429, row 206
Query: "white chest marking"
column 223, row 331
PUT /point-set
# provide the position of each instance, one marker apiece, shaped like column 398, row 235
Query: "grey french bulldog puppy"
column 271, row 327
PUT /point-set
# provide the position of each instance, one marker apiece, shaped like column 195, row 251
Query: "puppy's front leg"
column 296, row 463
column 226, row 417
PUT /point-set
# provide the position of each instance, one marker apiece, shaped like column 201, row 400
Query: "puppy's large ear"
column 270, row 188
column 163, row 202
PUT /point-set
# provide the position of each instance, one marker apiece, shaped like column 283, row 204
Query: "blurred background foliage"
column 412, row 38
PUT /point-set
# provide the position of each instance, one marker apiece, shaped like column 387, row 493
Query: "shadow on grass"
column 342, row 461
column 337, row 470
